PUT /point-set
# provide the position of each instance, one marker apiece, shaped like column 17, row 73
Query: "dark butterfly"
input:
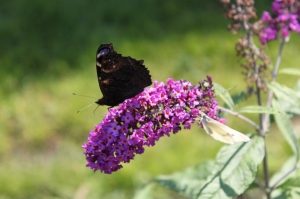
column 119, row 77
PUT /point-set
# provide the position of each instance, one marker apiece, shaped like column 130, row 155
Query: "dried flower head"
column 140, row 121
column 254, row 61
column 240, row 13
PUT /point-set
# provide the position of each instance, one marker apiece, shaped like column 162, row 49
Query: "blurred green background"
column 47, row 52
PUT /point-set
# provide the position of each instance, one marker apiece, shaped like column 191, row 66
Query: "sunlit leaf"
column 290, row 193
column 282, row 173
column 257, row 109
column 292, row 107
column 230, row 175
column 290, row 188
column 290, row 71
column 224, row 95
column 285, row 126
column 286, row 94
column 188, row 181
column 144, row 192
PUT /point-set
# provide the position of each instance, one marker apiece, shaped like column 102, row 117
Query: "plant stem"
column 240, row 116
column 266, row 117
column 259, row 102
column 260, row 132
column 266, row 172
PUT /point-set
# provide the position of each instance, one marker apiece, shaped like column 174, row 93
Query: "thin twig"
column 240, row 116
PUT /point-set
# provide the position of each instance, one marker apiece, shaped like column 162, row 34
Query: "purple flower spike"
column 140, row 121
column 285, row 18
column 266, row 17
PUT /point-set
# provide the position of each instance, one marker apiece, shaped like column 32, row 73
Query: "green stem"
column 240, row 116
column 260, row 132
column 259, row 102
column 266, row 117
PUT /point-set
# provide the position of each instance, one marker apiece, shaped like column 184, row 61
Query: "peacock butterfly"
column 119, row 77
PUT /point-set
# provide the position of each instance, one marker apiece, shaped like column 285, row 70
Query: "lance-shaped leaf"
column 285, row 126
column 284, row 173
column 224, row 95
column 231, row 173
column 256, row 109
column 144, row 192
column 284, row 93
column 293, row 105
column 290, row 71
column 289, row 189
column 189, row 181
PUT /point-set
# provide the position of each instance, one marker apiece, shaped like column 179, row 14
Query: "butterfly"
column 221, row 132
column 119, row 77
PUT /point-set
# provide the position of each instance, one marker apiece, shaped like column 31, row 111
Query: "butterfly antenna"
column 84, row 95
column 95, row 109
column 85, row 107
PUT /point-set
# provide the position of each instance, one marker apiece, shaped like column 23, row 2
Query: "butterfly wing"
column 120, row 77
column 107, row 67
column 222, row 132
column 134, row 77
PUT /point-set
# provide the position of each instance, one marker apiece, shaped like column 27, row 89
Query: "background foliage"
column 47, row 52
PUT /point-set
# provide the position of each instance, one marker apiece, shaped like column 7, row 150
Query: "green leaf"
column 144, row 192
column 285, row 94
column 289, row 165
column 285, row 126
column 292, row 107
column 230, row 175
column 257, row 109
column 293, row 182
column 188, row 181
column 224, row 95
column 290, row 188
column 290, row 71
column 291, row 193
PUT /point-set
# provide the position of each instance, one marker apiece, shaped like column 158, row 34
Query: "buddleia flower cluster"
column 283, row 19
column 139, row 122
